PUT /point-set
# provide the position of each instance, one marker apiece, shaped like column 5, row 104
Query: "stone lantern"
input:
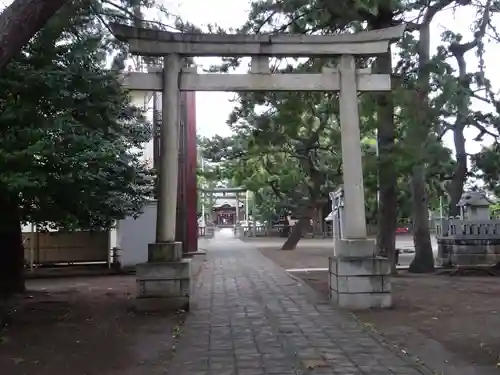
column 474, row 205
column 472, row 240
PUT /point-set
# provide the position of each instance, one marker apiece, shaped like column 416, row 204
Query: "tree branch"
column 434, row 9
column 482, row 131
column 20, row 21
column 458, row 49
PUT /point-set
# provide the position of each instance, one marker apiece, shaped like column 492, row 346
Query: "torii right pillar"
column 358, row 279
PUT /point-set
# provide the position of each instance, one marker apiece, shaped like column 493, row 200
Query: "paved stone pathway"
column 249, row 317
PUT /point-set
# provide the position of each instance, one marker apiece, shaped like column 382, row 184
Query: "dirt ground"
column 451, row 323
column 84, row 326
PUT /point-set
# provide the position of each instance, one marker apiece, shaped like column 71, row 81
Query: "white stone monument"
column 337, row 198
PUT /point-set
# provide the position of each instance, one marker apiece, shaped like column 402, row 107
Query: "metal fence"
column 280, row 230
column 457, row 229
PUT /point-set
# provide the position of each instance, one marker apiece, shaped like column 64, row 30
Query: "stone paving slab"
column 249, row 317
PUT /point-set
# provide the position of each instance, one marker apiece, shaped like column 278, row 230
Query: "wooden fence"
column 49, row 248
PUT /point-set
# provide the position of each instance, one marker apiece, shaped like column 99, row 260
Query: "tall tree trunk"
column 456, row 188
column 20, row 21
column 387, row 174
column 386, row 130
column 320, row 225
column 12, row 254
column 296, row 235
column 286, row 228
column 424, row 257
column 457, row 183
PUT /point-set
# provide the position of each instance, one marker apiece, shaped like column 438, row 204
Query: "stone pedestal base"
column 164, row 284
column 354, row 248
column 357, row 283
column 164, row 252
column 463, row 251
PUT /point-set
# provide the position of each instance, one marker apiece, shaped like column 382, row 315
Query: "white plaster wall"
column 144, row 99
column 134, row 235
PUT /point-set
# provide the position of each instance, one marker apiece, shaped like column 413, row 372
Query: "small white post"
column 246, row 206
column 203, row 204
column 32, row 247
column 202, row 162
column 254, row 221
column 237, row 217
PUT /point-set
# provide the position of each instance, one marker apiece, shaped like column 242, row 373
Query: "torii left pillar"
column 186, row 227
column 163, row 282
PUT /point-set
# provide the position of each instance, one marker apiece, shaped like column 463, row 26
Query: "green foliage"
column 288, row 144
column 286, row 152
column 486, row 165
column 69, row 130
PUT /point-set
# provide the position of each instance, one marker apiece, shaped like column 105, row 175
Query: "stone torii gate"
column 353, row 253
column 236, row 195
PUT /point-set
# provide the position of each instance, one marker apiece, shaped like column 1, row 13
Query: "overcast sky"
column 213, row 108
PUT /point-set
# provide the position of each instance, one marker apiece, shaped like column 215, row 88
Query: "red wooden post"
column 187, row 223
column 191, row 183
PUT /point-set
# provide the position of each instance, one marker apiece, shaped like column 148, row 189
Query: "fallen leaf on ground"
column 313, row 363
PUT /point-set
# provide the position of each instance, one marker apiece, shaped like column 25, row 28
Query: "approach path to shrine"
column 249, row 317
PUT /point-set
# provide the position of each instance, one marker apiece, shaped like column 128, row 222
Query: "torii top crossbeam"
column 224, row 190
column 150, row 42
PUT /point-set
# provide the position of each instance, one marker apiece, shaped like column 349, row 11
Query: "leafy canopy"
column 71, row 140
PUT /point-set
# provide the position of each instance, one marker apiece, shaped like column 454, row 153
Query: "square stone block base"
column 357, row 283
column 165, row 252
column 163, row 285
column 354, row 248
